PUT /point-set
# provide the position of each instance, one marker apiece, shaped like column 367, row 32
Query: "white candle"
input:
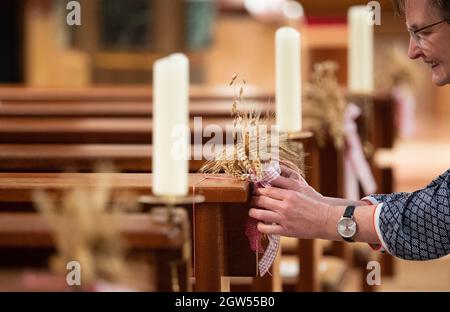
column 288, row 80
column 360, row 52
column 170, row 115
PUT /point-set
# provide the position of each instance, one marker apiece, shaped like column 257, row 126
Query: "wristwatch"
column 346, row 226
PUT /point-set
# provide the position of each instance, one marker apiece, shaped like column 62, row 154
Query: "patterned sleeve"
column 382, row 198
column 416, row 226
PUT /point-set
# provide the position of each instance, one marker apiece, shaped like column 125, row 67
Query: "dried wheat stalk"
column 251, row 131
column 84, row 228
column 324, row 104
column 398, row 70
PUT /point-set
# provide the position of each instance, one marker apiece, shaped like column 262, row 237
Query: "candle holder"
column 170, row 213
column 170, row 203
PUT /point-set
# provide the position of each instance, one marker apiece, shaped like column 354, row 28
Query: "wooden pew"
column 49, row 103
column 309, row 270
column 375, row 127
column 217, row 108
column 14, row 107
column 308, row 248
column 84, row 158
column 80, row 157
column 378, row 128
column 382, row 135
column 26, row 241
column 124, row 94
column 76, row 154
column 137, row 158
column 89, row 130
column 49, row 145
column 221, row 248
column 225, row 109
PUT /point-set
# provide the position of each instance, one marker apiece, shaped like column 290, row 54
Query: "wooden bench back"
column 27, row 240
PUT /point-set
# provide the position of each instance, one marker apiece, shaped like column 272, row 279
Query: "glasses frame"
column 415, row 33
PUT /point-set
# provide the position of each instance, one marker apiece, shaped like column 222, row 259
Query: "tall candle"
column 170, row 118
column 288, row 80
column 360, row 52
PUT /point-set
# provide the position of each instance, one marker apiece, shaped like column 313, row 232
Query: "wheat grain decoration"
column 398, row 71
column 324, row 104
column 255, row 143
column 83, row 223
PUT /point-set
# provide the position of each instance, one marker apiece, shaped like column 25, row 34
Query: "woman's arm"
column 346, row 202
column 364, row 219
column 413, row 226
column 291, row 213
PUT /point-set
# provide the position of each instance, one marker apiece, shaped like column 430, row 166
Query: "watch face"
column 346, row 227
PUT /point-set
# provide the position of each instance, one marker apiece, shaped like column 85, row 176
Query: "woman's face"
column 434, row 47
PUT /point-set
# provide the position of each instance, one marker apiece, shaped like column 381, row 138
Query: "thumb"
column 302, row 181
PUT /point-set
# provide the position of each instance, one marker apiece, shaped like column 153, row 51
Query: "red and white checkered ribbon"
column 356, row 167
column 270, row 172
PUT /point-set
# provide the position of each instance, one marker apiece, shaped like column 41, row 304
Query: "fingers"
column 265, row 215
column 273, row 192
column 285, row 183
column 288, row 172
column 266, row 202
column 270, row 228
column 302, row 181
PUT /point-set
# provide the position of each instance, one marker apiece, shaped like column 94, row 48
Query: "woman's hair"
column 443, row 5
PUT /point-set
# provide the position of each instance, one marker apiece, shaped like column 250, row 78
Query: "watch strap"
column 349, row 211
column 348, row 239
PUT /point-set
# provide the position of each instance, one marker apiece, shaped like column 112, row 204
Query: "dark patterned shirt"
column 416, row 226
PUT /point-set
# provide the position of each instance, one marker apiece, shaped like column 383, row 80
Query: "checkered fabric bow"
column 356, row 166
column 270, row 172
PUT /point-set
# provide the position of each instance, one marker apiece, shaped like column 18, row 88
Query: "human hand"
column 289, row 213
column 290, row 173
column 291, row 180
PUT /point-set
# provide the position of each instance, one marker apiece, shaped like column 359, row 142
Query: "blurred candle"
column 288, row 83
column 360, row 51
column 170, row 125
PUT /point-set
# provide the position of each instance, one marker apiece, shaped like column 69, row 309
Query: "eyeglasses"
column 415, row 34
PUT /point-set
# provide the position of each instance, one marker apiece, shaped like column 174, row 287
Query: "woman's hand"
column 291, row 180
column 289, row 212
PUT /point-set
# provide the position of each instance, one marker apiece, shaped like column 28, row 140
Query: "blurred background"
column 118, row 41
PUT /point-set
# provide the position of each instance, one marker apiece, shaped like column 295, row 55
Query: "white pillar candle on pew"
column 288, row 80
column 360, row 50
column 171, row 114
